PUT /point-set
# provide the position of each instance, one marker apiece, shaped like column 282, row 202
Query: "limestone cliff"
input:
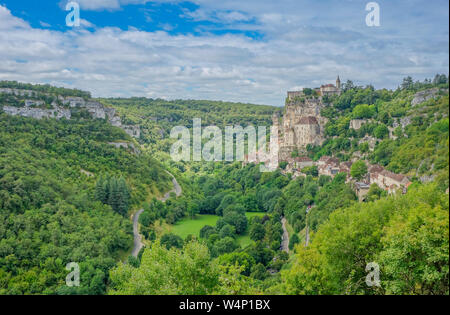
column 62, row 108
column 301, row 125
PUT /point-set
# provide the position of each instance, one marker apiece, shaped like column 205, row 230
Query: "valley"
column 362, row 174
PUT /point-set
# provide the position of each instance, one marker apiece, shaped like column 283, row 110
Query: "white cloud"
column 44, row 24
column 106, row 4
column 114, row 62
column 86, row 23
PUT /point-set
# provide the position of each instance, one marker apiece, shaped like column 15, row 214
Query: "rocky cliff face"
column 38, row 113
column 302, row 124
column 424, row 96
column 96, row 109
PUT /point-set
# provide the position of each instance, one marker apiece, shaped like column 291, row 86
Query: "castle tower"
column 338, row 83
column 276, row 119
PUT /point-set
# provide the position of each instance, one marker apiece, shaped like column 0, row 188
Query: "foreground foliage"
column 408, row 236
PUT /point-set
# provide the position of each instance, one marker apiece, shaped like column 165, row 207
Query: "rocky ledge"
column 96, row 109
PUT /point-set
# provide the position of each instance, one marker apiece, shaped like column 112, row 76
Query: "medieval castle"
column 302, row 123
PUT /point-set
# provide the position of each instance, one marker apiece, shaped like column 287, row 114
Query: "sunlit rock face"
column 424, row 96
column 301, row 125
column 62, row 108
column 38, row 113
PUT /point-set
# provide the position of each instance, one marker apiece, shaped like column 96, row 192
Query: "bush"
column 170, row 240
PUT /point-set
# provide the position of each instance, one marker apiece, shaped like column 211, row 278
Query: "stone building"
column 302, row 123
column 387, row 180
column 330, row 89
column 361, row 190
column 302, row 162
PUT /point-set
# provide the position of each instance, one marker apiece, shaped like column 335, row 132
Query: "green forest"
column 50, row 211
column 68, row 195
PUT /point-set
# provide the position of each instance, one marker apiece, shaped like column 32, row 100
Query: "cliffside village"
column 302, row 124
column 331, row 166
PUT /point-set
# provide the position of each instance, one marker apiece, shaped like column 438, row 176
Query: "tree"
column 311, row 170
column 163, row 272
column 348, row 85
column 259, row 272
column 241, row 259
column 364, row 111
column 123, row 197
column 193, row 209
column 238, row 220
column 381, row 131
column 407, row 83
column 206, row 231
column 440, row 79
column 412, row 249
column 223, row 246
column 257, row 231
column 358, row 170
column 375, row 193
column 170, row 240
column 101, row 190
column 227, row 231
column 293, row 241
column 415, row 254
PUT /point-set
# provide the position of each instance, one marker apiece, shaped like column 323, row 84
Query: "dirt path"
column 285, row 240
column 137, row 243
column 307, row 236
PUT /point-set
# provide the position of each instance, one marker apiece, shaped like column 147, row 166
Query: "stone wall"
column 301, row 125
column 357, row 123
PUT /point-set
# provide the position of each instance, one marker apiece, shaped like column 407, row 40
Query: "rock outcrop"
column 357, row 123
column 126, row 145
column 96, row 109
column 301, row 125
column 38, row 113
column 424, row 96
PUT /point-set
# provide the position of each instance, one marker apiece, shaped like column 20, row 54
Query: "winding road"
column 137, row 244
column 285, row 241
column 307, row 236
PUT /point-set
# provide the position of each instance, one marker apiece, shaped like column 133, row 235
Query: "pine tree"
column 106, row 190
column 113, row 197
column 122, row 197
column 99, row 190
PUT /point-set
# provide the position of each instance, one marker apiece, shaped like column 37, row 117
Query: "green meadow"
column 189, row 226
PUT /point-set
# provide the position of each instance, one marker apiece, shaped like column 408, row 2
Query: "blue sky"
column 247, row 51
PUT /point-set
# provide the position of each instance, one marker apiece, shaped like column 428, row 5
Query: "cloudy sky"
column 234, row 50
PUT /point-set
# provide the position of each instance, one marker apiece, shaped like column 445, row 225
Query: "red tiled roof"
column 396, row 177
column 376, row 169
column 347, row 164
column 303, row 159
column 333, row 160
column 309, row 120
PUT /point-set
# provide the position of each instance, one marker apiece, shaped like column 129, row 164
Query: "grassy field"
column 187, row 226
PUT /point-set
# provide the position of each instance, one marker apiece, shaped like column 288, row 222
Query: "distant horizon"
column 252, row 51
column 211, row 100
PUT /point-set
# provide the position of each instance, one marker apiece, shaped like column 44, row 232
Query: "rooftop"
column 309, row 120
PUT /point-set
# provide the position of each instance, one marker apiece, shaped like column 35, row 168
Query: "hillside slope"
column 50, row 212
